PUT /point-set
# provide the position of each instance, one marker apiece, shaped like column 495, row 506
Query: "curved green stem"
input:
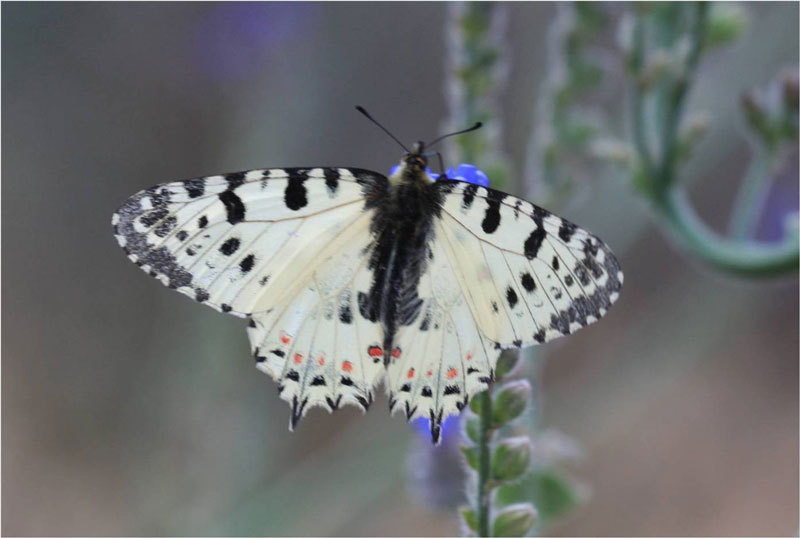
column 639, row 130
column 676, row 214
column 751, row 197
column 738, row 257
column 484, row 463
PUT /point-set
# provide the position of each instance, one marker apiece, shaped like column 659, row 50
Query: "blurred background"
column 129, row 409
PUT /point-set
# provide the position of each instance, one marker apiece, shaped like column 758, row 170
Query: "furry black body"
column 403, row 229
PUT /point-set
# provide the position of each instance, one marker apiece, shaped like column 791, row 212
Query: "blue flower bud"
column 431, row 173
column 469, row 173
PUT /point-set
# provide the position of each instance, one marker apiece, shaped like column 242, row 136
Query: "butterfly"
column 349, row 278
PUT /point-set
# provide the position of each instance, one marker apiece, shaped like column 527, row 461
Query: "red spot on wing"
column 285, row 338
column 298, row 358
column 347, row 366
column 410, row 373
column 451, row 373
column 429, row 373
column 469, row 356
column 321, row 359
column 375, row 351
column 396, row 353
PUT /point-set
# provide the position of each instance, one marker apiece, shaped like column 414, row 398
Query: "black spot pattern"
column 318, row 381
column 247, row 263
column 528, row 282
column 534, row 242
column 566, row 231
column 234, row 207
column 295, row 195
column 469, row 195
column 556, row 265
column 491, row 219
column 153, row 217
column 511, row 297
column 195, row 188
column 426, row 321
column 235, row 180
column 331, row 179
column 182, row 235
column 230, row 246
column 345, row 313
column 160, row 260
column 202, row 222
column 166, row 226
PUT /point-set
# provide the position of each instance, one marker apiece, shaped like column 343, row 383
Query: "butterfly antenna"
column 385, row 130
column 477, row 125
column 441, row 161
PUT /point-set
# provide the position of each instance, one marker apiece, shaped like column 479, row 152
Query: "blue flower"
column 464, row 172
column 423, row 427
column 469, row 173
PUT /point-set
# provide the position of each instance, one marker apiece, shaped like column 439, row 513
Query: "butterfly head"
column 413, row 166
column 416, row 158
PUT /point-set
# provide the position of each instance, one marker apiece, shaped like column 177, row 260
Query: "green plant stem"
column 751, row 197
column 639, row 130
column 738, row 257
column 677, row 98
column 484, row 463
column 671, row 203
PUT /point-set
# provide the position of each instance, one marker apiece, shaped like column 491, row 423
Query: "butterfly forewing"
column 234, row 241
column 531, row 276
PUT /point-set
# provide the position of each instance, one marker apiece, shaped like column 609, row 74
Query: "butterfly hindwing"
column 242, row 242
column 442, row 359
column 317, row 345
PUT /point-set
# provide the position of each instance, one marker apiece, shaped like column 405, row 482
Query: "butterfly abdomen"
column 403, row 229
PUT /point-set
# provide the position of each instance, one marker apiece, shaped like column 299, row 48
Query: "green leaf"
column 506, row 363
column 472, row 428
column 469, row 518
column 551, row 491
column 471, row 455
column 475, row 402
